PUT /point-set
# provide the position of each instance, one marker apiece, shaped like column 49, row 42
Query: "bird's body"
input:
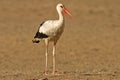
column 51, row 30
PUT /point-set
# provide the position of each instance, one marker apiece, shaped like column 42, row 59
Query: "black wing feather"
column 40, row 35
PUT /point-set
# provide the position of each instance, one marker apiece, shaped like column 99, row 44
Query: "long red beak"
column 66, row 11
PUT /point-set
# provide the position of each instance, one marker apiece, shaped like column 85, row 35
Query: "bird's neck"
column 61, row 16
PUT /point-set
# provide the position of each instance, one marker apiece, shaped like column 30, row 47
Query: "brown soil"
column 89, row 49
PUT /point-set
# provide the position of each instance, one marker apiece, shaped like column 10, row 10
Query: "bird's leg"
column 46, row 61
column 46, row 55
column 54, row 49
column 54, row 72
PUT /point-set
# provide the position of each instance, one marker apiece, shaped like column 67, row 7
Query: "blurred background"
column 90, row 43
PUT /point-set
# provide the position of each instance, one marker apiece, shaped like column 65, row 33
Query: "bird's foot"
column 45, row 73
column 55, row 73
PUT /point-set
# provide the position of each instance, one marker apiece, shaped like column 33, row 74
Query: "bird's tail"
column 38, row 37
column 36, row 40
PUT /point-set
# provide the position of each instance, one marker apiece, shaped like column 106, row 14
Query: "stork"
column 51, row 30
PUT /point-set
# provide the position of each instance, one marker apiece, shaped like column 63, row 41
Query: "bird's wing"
column 49, row 28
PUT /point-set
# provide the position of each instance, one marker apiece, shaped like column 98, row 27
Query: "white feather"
column 52, row 28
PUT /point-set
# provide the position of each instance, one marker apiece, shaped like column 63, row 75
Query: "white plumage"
column 51, row 30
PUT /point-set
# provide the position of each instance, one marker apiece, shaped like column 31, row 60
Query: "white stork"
column 51, row 30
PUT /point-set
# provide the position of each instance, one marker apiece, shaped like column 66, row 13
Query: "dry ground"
column 89, row 49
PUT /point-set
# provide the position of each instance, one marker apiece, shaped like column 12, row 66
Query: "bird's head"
column 60, row 7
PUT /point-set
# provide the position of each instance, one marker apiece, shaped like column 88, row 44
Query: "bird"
column 50, row 31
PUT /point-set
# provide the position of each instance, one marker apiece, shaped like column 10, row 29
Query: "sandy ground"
column 89, row 48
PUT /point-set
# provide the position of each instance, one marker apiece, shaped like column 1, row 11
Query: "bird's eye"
column 61, row 6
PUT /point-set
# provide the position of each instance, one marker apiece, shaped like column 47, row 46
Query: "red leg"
column 46, row 59
column 54, row 48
